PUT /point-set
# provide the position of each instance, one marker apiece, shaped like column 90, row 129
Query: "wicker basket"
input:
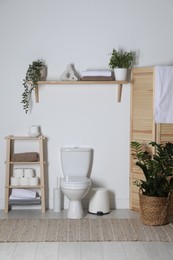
column 154, row 210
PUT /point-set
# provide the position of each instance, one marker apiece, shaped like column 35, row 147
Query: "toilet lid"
column 75, row 179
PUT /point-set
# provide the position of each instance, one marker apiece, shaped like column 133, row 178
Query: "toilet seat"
column 75, row 182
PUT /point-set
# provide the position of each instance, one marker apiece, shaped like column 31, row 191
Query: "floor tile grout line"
column 14, row 250
column 36, row 251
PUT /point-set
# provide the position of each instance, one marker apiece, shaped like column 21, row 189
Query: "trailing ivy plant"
column 33, row 75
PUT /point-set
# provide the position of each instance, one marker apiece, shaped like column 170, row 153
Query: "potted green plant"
column 120, row 61
column 36, row 71
column 155, row 188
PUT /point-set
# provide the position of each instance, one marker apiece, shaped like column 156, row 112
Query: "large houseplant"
column 120, row 61
column 155, row 188
column 35, row 72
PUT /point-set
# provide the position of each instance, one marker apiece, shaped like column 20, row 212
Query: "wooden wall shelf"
column 81, row 82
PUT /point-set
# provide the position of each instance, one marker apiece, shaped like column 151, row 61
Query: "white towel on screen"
column 163, row 105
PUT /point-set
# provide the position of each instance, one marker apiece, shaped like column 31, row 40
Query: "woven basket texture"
column 154, row 210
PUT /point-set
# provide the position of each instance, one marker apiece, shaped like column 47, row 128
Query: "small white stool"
column 99, row 201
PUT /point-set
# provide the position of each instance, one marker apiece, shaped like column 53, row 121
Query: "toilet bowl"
column 75, row 184
column 75, row 188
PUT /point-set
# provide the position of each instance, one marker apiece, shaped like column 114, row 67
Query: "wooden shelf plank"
column 24, row 187
column 24, row 163
column 21, row 202
column 13, row 137
column 80, row 82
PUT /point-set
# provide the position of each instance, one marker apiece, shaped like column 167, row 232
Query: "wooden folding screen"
column 143, row 127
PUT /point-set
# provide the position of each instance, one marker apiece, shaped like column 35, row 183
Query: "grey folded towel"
column 98, row 78
column 25, row 157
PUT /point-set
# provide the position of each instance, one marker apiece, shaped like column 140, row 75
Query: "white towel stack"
column 24, row 177
column 96, row 73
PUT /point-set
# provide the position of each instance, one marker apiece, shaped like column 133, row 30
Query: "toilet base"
column 75, row 210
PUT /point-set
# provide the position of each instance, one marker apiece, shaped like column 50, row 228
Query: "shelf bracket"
column 36, row 94
column 119, row 92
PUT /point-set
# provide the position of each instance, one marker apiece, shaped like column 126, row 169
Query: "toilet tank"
column 75, row 161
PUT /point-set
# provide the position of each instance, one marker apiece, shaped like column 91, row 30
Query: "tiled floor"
column 84, row 250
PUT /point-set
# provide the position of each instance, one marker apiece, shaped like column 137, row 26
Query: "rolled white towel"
column 33, row 181
column 15, row 181
column 18, row 172
column 23, row 193
column 28, row 172
column 24, row 181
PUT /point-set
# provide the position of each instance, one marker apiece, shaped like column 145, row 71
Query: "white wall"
column 84, row 33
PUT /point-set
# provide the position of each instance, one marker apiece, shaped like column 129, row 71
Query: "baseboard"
column 118, row 204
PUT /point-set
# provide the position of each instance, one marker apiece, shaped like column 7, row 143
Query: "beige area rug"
column 87, row 229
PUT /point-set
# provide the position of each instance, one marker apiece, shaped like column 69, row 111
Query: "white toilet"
column 75, row 184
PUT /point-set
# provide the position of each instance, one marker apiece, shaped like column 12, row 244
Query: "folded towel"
column 105, row 73
column 22, row 198
column 25, row 157
column 25, row 202
column 97, row 78
column 163, row 108
column 24, row 193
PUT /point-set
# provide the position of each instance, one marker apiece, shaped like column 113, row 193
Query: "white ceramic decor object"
column 70, row 73
column 15, row 181
column 18, row 172
column 28, row 172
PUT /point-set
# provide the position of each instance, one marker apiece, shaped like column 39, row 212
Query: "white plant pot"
column 120, row 74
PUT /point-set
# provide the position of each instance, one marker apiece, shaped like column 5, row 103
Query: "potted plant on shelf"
column 120, row 62
column 155, row 188
column 36, row 71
